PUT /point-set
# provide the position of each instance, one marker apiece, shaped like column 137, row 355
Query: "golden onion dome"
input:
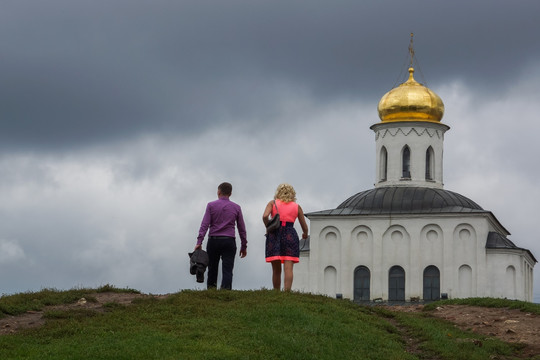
column 411, row 101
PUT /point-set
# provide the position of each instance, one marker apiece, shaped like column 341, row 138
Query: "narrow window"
column 432, row 283
column 406, row 163
column 362, row 279
column 396, row 284
column 383, row 164
column 429, row 163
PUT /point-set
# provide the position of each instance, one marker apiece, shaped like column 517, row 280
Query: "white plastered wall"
column 452, row 243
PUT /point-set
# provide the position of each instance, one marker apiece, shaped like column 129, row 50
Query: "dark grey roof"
column 404, row 200
column 498, row 241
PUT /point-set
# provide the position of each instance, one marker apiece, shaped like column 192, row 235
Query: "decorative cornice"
column 430, row 132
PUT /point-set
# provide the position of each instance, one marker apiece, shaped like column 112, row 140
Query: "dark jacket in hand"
column 198, row 261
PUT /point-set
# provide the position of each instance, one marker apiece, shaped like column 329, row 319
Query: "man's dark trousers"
column 221, row 248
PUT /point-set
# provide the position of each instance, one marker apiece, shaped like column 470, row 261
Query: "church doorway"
column 396, row 284
column 362, row 278
column 432, row 283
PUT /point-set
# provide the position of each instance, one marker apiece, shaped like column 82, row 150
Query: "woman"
column 282, row 245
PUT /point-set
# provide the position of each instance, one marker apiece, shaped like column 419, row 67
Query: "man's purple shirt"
column 221, row 216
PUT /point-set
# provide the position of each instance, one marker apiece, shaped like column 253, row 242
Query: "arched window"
column 465, row 283
column 430, row 158
column 330, row 281
column 383, row 167
column 396, row 284
column 406, row 163
column 362, row 280
column 510, row 282
column 432, row 283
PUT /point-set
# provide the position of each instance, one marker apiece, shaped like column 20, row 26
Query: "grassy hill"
column 235, row 325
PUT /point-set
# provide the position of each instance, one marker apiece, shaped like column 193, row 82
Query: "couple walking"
column 282, row 248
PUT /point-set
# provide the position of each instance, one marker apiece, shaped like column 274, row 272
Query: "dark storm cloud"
column 77, row 73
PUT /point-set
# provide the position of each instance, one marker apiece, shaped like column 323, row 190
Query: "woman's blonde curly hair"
column 285, row 193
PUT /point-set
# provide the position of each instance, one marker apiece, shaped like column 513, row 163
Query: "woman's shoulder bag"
column 274, row 223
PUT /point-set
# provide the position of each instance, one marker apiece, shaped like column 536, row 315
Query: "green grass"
column 245, row 325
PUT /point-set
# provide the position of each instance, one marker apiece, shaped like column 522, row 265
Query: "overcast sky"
column 118, row 119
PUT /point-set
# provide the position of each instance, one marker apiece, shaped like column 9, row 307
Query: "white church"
column 409, row 239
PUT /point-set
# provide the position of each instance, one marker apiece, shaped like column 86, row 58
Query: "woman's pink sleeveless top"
column 288, row 212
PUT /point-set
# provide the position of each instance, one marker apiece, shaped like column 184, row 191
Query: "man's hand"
column 243, row 253
column 198, row 246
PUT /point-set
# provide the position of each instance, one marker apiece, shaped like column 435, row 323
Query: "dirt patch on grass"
column 96, row 302
column 509, row 325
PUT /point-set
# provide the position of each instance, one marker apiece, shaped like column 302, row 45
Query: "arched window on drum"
column 406, row 163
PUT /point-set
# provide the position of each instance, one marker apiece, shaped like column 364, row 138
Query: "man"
column 221, row 216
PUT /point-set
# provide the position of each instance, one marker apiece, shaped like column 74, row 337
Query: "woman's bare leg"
column 276, row 274
column 288, row 269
